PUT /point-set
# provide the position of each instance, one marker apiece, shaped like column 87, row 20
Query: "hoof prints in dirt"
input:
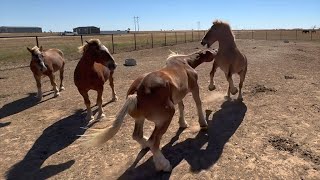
column 316, row 108
column 261, row 88
column 286, row 144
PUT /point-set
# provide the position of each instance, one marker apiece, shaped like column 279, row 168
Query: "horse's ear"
column 29, row 49
column 40, row 48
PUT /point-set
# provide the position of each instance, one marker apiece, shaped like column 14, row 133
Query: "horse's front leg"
column 54, row 85
column 38, row 81
column 213, row 71
column 196, row 96
column 114, row 95
column 99, row 103
column 182, row 121
column 87, row 102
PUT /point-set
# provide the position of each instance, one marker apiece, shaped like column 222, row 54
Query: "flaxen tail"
column 105, row 134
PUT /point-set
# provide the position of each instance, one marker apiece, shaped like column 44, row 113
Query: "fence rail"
column 13, row 47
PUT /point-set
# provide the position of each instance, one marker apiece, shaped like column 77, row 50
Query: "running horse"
column 152, row 96
column 95, row 67
column 229, row 58
column 47, row 63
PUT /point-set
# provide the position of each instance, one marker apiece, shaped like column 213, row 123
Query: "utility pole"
column 136, row 23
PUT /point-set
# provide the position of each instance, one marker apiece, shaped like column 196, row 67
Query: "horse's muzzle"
column 112, row 66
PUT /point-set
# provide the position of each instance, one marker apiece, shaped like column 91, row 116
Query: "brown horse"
column 95, row 67
column 46, row 63
column 229, row 58
column 152, row 96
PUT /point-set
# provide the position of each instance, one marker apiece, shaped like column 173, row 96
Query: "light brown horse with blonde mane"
column 95, row 67
column 229, row 58
column 47, row 63
column 152, row 96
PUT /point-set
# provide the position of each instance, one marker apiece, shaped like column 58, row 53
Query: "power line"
column 136, row 23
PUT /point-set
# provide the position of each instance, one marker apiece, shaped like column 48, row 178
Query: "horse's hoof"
column 89, row 118
column 227, row 98
column 183, row 125
column 202, row 128
column 62, row 88
column 234, row 91
column 163, row 165
column 114, row 99
column 39, row 98
column 100, row 116
column 240, row 99
column 211, row 87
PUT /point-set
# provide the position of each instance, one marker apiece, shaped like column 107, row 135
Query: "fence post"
column 280, row 34
column 266, row 35
column 81, row 40
column 199, row 35
column 135, row 41
column 296, row 34
column 311, row 34
column 192, row 36
column 185, row 37
column 112, row 42
column 251, row 34
column 37, row 41
column 151, row 40
column 175, row 34
column 165, row 39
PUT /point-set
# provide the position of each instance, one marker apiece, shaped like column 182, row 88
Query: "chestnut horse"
column 152, row 96
column 229, row 58
column 46, row 63
column 95, row 67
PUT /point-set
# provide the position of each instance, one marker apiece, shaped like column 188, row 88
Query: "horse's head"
column 99, row 53
column 202, row 56
column 37, row 57
column 217, row 31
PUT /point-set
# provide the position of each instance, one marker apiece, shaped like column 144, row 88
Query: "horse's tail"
column 109, row 132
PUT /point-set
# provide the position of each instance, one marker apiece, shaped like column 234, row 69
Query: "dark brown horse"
column 95, row 67
column 229, row 58
column 46, row 63
column 153, row 96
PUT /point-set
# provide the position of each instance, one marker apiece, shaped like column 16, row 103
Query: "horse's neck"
column 193, row 61
column 87, row 59
column 227, row 45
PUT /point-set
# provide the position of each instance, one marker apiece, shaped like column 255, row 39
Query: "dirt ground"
column 273, row 134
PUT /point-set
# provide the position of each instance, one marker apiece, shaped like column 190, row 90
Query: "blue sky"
column 60, row 15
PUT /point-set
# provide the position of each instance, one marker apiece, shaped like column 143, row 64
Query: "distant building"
column 87, row 30
column 18, row 29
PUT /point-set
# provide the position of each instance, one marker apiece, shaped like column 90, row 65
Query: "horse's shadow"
column 22, row 104
column 200, row 152
column 53, row 139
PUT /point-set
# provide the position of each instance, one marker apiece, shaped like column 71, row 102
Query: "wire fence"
column 13, row 48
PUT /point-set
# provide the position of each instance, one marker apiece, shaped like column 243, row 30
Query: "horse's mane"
column 84, row 48
column 36, row 49
column 224, row 24
column 175, row 54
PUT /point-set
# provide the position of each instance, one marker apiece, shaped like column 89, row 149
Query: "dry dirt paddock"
column 273, row 134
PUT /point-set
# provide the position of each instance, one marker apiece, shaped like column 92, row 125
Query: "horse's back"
column 54, row 59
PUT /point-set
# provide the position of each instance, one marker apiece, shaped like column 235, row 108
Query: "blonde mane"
column 175, row 54
column 36, row 50
column 84, row 48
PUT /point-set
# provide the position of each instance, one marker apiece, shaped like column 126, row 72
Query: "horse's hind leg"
column 114, row 95
column 38, row 81
column 242, row 75
column 195, row 94
column 99, row 103
column 54, row 85
column 182, row 121
column 138, row 132
column 61, row 78
column 231, row 89
column 163, row 122
column 213, row 71
column 86, row 99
